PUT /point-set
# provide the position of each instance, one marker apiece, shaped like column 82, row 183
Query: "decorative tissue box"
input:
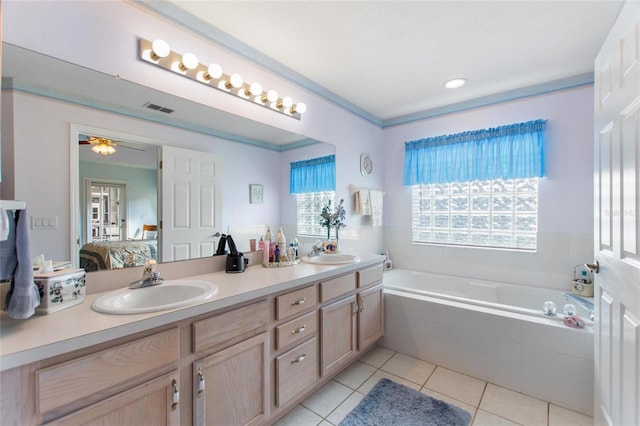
column 60, row 289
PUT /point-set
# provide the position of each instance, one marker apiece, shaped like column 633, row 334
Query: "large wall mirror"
column 113, row 197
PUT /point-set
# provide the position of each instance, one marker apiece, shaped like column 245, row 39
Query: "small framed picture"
column 256, row 193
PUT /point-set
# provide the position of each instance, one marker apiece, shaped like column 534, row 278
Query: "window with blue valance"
column 314, row 175
column 507, row 152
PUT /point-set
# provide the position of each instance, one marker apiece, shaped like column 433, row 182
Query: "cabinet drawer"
column 294, row 302
column 71, row 381
column 231, row 327
column 369, row 276
column 338, row 286
column 296, row 370
column 296, row 330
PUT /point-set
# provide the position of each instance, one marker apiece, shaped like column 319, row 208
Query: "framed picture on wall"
column 256, row 193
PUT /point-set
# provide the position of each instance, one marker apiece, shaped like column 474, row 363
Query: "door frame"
column 75, row 192
column 88, row 183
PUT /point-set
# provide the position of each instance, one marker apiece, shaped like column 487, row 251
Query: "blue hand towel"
column 8, row 258
column 23, row 296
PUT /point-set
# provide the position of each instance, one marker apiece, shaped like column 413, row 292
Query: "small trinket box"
column 60, row 289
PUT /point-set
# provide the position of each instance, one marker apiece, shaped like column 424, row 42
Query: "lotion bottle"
column 281, row 242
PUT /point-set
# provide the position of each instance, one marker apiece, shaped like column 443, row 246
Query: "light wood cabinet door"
column 338, row 334
column 370, row 316
column 155, row 402
column 296, row 371
column 231, row 387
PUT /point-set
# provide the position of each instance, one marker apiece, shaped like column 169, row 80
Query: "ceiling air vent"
column 158, row 108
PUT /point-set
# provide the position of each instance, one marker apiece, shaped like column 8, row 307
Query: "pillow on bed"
column 149, row 235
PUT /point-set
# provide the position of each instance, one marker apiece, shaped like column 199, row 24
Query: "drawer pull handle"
column 200, row 382
column 176, row 395
column 299, row 359
column 299, row 302
column 299, row 330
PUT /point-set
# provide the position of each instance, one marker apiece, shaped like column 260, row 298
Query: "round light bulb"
column 214, row 71
column 272, row 95
column 287, row 102
column 189, row 61
column 236, row 81
column 455, row 83
column 160, row 49
column 300, row 108
column 255, row 89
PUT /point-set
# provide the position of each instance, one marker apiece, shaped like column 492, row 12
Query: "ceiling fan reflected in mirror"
column 104, row 146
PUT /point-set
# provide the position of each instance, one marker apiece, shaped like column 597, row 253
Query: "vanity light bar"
column 158, row 53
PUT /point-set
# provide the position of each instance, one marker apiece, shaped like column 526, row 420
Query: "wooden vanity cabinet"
column 338, row 334
column 150, row 403
column 352, row 323
column 295, row 352
column 247, row 364
column 122, row 383
column 370, row 316
column 231, row 387
column 370, row 306
column 231, row 383
column 296, row 371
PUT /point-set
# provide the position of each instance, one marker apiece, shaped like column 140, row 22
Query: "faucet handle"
column 150, row 266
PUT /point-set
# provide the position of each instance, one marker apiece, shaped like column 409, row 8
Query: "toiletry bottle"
column 264, row 246
column 281, row 243
column 296, row 244
column 276, row 254
column 268, row 244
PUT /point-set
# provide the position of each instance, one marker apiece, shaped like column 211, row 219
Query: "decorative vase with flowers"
column 333, row 217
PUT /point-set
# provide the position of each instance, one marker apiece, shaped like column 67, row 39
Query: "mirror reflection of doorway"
column 106, row 210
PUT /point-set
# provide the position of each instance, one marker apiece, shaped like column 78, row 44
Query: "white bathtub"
column 491, row 330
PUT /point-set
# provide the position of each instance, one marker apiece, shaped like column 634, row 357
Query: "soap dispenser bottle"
column 281, row 242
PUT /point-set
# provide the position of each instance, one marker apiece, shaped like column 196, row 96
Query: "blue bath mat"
column 390, row 403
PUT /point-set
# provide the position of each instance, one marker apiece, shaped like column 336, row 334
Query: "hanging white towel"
column 365, row 202
column 376, row 207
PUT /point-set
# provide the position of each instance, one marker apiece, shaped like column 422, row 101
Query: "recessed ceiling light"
column 455, row 83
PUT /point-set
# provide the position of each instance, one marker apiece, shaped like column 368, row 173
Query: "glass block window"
column 309, row 207
column 492, row 213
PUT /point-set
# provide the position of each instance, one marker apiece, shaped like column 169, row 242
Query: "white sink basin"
column 331, row 259
column 168, row 295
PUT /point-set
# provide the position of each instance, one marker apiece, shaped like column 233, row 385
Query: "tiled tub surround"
column 508, row 346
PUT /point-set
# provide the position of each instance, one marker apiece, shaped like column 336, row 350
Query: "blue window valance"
column 314, row 175
column 506, row 152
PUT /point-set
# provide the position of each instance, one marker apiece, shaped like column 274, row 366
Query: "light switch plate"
column 44, row 222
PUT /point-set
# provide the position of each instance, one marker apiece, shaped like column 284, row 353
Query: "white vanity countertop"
column 44, row 336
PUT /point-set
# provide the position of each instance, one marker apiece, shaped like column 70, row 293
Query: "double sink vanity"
column 210, row 349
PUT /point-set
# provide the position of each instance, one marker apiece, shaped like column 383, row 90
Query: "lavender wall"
column 565, row 195
column 42, row 169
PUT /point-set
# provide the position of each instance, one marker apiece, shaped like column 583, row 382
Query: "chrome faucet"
column 316, row 249
column 150, row 276
column 586, row 304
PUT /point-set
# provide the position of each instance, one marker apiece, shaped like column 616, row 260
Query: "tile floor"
column 487, row 403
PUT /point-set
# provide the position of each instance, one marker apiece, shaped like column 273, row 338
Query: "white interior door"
column 617, row 223
column 190, row 204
